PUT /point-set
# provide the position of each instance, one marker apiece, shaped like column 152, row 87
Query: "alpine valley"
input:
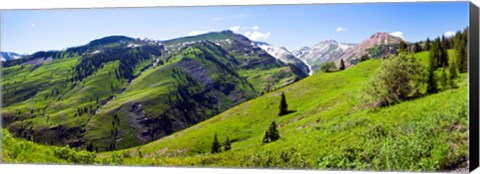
column 221, row 99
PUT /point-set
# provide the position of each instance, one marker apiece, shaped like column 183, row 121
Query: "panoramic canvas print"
column 372, row 86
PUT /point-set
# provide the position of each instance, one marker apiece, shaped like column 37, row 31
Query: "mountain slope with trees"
column 143, row 89
column 406, row 111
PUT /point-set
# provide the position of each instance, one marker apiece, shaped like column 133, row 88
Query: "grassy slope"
column 71, row 96
column 328, row 130
column 22, row 151
column 152, row 88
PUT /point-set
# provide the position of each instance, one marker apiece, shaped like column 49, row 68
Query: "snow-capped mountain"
column 282, row 54
column 6, row 56
column 327, row 50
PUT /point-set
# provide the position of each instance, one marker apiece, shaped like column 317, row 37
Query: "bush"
column 398, row 78
column 328, row 67
column 71, row 155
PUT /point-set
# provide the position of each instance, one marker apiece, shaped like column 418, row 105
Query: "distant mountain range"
column 380, row 44
column 282, row 54
column 322, row 52
column 6, row 56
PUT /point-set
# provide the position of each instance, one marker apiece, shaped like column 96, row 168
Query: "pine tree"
column 274, row 136
column 461, row 51
column 215, row 145
column 427, row 44
column 227, row 144
column 417, row 48
column 342, row 64
column 453, row 74
column 431, row 81
column 271, row 134
column 283, row 105
column 402, row 47
column 438, row 54
column 444, row 42
column 445, row 83
column 266, row 138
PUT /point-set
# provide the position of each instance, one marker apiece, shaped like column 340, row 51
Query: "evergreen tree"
column 431, row 81
column 271, row 134
column 266, row 138
column 461, row 51
column 283, row 105
column 274, row 136
column 417, row 48
column 453, row 74
column 342, row 64
column 445, row 83
column 438, row 54
column 215, row 145
column 427, row 44
column 227, row 144
column 444, row 42
column 402, row 47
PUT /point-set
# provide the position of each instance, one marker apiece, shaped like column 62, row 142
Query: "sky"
column 290, row 26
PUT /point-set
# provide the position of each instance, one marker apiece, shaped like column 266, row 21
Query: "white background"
column 53, row 169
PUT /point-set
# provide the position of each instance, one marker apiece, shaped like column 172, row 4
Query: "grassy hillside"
column 329, row 128
column 117, row 92
column 21, row 151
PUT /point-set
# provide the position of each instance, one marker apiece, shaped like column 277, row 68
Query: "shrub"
column 328, row 67
column 397, row 79
column 71, row 155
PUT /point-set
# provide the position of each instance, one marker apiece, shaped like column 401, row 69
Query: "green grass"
column 21, row 151
column 329, row 129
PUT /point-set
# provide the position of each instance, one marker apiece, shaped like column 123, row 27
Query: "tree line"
column 401, row 76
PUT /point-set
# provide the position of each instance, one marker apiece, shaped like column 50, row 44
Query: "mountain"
column 117, row 92
column 322, row 52
column 328, row 128
column 282, row 54
column 380, row 44
column 6, row 56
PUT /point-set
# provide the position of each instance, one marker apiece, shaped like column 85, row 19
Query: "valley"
column 215, row 99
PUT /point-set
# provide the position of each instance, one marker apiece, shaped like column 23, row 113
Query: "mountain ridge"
column 150, row 89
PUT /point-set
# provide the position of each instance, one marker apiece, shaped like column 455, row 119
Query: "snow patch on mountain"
column 322, row 52
column 282, row 54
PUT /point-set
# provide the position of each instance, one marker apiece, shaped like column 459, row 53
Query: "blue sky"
column 292, row 26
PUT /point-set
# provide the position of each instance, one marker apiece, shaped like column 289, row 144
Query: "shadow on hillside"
column 288, row 112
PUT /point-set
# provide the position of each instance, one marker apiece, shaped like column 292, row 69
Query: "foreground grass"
column 330, row 129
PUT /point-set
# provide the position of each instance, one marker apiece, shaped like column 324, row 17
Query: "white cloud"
column 255, row 28
column 340, row 29
column 449, row 33
column 235, row 28
column 397, row 34
column 33, row 25
column 257, row 35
